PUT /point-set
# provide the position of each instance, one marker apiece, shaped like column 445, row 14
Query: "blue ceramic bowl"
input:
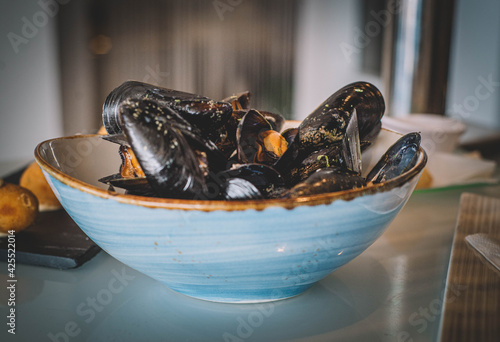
column 243, row 251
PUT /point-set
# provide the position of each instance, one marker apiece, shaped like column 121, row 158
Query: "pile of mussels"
column 175, row 144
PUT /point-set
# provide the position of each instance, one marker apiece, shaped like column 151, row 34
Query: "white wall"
column 325, row 61
column 29, row 80
column 321, row 67
column 475, row 61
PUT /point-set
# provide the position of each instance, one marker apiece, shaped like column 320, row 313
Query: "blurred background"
column 60, row 58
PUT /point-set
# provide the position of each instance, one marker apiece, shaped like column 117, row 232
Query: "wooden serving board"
column 54, row 240
column 472, row 298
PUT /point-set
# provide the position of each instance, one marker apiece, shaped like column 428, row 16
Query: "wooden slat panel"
column 189, row 45
column 472, row 305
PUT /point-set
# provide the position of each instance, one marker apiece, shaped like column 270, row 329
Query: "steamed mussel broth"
column 175, row 144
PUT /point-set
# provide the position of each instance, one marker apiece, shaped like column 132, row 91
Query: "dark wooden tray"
column 54, row 240
column 472, row 298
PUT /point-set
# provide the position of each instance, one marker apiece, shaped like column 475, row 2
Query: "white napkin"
column 452, row 169
column 486, row 246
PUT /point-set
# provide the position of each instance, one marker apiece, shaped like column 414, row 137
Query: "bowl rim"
column 214, row 205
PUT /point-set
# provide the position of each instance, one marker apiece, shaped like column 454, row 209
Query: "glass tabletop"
column 394, row 291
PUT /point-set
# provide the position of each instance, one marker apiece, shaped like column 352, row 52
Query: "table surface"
column 394, row 291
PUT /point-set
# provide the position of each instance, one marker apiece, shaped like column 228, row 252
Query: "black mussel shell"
column 324, row 127
column 199, row 111
column 365, row 98
column 344, row 154
column 168, row 117
column 369, row 138
column 247, row 134
column 398, row 159
column 324, row 158
column 134, row 90
column 325, row 181
column 266, row 179
column 320, row 130
column 240, row 189
column 132, row 184
column 239, row 101
column 225, row 138
column 217, row 161
column 290, row 134
column 170, row 164
column 276, row 120
column 271, row 146
column 351, row 146
column 327, row 123
column 206, row 115
column 291, row 158
column 119, row 138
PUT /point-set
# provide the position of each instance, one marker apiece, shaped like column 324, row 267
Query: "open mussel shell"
column 266, row 179
column 216, row 159
column 398, row 159
column 247, row 133
column 239, row 101
column 370, row 136
column 138, row 186
column 351, row 146
column 276, row 120
column 225, row 137
column 326, row 180
column 344, row 153
column 290, row 134
column 168, row 161
column 321, row 129
column 200, row 111
column 257, row 141
column 271, row 146
column 119, row 138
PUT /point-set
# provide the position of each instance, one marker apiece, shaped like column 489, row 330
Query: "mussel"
column 257, row 140
column 398, row 159
column 171, row 166
column 328, row 124
column 200, row 111
column 179, row 145
column 264, row 178
column 326, row 180
column 239, row 101
column 239, row 189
